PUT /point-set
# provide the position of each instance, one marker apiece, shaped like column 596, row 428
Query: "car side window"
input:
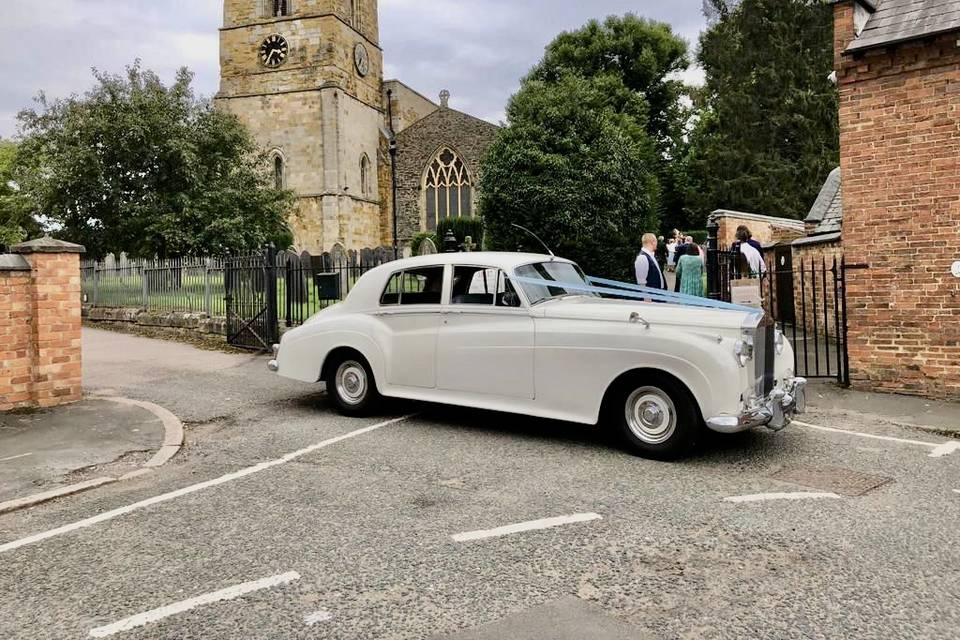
column 482, row 286
column 414, row 286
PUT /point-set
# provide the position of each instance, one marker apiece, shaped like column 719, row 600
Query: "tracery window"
column 448, row 188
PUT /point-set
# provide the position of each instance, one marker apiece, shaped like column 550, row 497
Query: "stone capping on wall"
column 47, row 244
column 814, row 240
column 10, row 262
column 786, row 223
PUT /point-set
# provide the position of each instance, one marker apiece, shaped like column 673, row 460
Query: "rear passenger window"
column 414, row 286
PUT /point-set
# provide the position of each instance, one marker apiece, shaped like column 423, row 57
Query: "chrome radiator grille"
column 764, row 353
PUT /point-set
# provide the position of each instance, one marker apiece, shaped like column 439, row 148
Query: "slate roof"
column 901, row 20
column 827, row 210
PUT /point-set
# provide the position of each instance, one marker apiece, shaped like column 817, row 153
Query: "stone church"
column 306, row 76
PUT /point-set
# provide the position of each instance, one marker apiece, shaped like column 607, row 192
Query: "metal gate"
column 806, row 298
column 250, row 283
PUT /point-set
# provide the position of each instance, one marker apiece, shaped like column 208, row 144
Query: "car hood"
column 591, row 308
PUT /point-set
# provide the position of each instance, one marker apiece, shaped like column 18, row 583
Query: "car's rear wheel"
column 656, row 418
column 352, row 387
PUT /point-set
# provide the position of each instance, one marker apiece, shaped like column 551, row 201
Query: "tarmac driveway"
column 280, row 519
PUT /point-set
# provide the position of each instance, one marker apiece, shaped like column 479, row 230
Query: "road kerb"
column 172, row 443
column 46, row 496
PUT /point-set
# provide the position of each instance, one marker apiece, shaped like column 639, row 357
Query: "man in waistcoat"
column 648, row 271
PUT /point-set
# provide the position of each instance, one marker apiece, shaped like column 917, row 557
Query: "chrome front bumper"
column 775, row 411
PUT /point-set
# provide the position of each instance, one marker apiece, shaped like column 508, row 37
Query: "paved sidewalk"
column 49, row 449
column 939, row 416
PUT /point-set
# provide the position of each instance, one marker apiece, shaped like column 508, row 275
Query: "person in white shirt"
column 671, row 253
column 646, row 267
column 754, row 259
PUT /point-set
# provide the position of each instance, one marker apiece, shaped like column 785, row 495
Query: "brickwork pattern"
column 40, row 353
column 16, row 333
column 763, row 232
column 900, row 158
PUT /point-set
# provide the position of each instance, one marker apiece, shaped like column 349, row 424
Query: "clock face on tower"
column 361, row 59
column 273, row 51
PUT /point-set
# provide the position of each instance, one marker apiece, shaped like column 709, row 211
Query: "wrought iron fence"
column 255, row 292
column 806, row 300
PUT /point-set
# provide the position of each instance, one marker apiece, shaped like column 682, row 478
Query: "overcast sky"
column 478, row 49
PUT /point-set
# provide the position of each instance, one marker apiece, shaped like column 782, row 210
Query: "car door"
column 486, row 339
column 410, row 313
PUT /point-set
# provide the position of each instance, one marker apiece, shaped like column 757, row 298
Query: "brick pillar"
column 16, row 351
column 54, row 308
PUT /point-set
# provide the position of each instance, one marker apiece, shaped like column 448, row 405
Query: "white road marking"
column 229, row 593
column 179, row 493
column 796, row 495
column 519, row 527
column 940, row 449
column 319, row 616
column 22, row 455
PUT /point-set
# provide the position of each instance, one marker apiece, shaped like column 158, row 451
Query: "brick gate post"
column 55, row 322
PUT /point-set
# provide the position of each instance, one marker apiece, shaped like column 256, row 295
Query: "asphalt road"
column 358, row 537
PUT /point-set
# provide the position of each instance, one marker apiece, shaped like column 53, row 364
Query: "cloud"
column 477, row 50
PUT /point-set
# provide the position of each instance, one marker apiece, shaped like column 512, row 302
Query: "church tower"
column 306, row 78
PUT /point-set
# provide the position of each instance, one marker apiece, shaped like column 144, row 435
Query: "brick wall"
column 764, row 229
column 40, row 325
column 900, row 158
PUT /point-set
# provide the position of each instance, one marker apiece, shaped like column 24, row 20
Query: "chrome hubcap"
column 352, row 382
column 651, row 415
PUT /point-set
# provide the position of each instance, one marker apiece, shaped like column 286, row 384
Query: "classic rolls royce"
column 532, row 334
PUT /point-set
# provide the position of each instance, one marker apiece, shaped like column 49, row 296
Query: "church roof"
column 897, row 21
column 827, row 210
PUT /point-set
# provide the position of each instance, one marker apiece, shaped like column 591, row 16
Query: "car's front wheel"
column 657, row 419
column 351, row 386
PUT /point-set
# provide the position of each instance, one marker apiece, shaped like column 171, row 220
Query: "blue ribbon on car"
column 635, row 292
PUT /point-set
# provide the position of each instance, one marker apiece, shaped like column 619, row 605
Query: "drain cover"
column 846, row 482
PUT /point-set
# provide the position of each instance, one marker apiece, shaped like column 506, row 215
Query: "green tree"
column 136, row 166
column 16, row 220
column 646, row 56
column 576, row 166
column 767, row 132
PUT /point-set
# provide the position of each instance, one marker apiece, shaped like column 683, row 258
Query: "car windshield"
column 556, row 271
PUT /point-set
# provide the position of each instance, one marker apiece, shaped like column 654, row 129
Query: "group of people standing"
column 680, row 255
column 684, row 257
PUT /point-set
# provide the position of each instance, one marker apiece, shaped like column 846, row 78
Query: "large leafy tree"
column 16, row 219
column 577, row 166
column 767, row 132
column 646, row 57
column 137, row 166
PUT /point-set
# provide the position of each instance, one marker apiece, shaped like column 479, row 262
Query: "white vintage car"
column 487, row 330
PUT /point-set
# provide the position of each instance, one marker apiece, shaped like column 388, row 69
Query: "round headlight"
column 743, row 350
column 779, row 341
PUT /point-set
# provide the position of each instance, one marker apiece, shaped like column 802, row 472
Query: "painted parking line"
column 229, row 593
column 22, row 455
column 315, row 618
column 179, row 493
column 533, row 525
column 938, row 449
column 793, row 495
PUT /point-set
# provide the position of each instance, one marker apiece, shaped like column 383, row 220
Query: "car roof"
column 502, row 260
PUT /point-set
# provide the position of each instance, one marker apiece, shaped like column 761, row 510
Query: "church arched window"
column 278, row 171
column 356, row 16
column 365, row 175
column 281, row 8
column 448, row 188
